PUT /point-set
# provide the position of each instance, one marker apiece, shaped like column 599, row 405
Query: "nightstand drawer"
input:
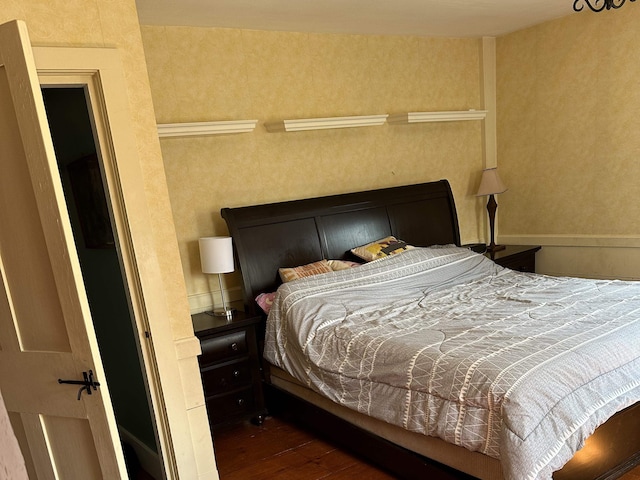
column 520, row 263
column 521, row 258
column 223, row 347
column 232, row 404
column 226, row 377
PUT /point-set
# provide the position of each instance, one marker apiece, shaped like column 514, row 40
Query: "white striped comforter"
column 521, row 367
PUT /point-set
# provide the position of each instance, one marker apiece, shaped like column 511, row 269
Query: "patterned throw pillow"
column 294, row 273
column 381, row 248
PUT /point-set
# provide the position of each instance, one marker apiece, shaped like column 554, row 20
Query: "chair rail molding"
column 573, row 240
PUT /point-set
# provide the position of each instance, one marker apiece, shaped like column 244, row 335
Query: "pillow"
column 294, row 273
column 265, row 300
column 381, row 248
column 337, row 265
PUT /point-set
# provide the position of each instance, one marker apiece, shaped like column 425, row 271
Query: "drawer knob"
column 240, row 402
column 236, row 373
column 234, row 346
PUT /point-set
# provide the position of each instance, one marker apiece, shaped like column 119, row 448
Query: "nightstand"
column 516, row 257
column 230, row 367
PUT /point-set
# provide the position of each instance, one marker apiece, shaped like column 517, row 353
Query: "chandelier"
column 598, row 5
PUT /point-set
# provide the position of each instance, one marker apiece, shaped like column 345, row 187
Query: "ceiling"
column 453, row 18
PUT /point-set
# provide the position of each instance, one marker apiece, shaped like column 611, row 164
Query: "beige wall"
column 114, row 23
column 200, row 74
column 568, row 142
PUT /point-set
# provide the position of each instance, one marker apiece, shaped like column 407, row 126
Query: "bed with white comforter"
column 442, row 341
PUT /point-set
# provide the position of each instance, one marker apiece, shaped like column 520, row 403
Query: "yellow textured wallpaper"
column 568, row 137
column 200, row 74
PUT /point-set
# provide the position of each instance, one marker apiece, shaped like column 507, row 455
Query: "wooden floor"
column 632, row 475
column 280, row 450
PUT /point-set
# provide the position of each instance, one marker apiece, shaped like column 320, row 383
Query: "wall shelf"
column 296, row 125
column 325, row 123
column 206, row 128
column 418, row 117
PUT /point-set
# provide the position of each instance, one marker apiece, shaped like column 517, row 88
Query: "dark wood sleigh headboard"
column 288, row 234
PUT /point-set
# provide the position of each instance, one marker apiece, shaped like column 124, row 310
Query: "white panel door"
column 46, row 333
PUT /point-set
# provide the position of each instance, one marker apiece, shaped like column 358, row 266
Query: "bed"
column 296, row 233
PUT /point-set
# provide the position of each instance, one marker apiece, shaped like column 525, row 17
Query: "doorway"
column 87, row 198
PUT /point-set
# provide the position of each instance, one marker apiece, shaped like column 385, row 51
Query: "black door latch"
column 87, row 384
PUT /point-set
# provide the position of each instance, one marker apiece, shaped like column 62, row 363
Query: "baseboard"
column 149, row 460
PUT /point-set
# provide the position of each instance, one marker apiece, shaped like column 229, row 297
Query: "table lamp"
column 216, row 256
column 491, row 185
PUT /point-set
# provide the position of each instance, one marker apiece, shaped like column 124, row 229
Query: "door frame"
column 168, row 364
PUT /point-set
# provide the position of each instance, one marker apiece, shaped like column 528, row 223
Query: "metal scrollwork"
column 598, row 5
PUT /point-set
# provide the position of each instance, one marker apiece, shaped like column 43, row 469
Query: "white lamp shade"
column 216, row 254
column 490, row 184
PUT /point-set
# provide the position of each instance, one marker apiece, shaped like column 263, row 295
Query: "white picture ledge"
column 453, row 116
column 325, row 123
column 206, row 128
column 296, row 125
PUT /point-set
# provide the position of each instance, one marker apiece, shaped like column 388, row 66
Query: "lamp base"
column 224, row 312
column 495, row 248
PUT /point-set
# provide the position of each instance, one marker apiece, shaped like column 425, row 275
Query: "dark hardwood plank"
column 247, row 443
column 288, row 465
column 632, row 475
column 359, row 471
column 280, row 449
column 326, row 455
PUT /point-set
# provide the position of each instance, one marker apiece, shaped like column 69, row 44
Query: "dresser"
column 230, row 367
